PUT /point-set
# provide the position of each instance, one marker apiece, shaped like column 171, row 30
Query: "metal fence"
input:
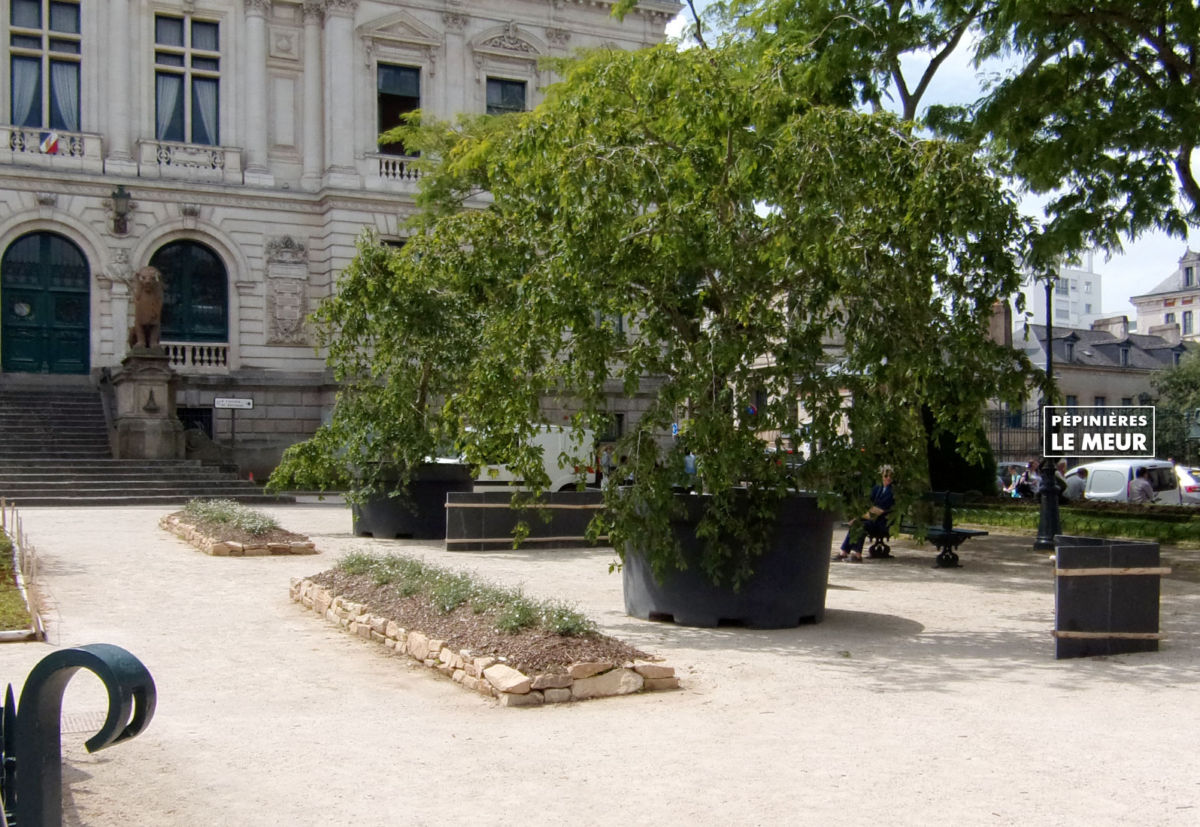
column 1015, row 435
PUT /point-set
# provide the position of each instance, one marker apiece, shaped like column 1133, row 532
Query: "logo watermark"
column 1098, row 431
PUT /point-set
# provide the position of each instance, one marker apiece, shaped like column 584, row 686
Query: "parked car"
column 1108, row 479
column 1189, row 484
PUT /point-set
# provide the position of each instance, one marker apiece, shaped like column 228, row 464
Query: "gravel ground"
column 926, row 697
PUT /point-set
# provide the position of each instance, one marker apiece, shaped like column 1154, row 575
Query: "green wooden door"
column 44, row 291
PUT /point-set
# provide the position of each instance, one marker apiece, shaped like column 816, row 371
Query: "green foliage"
column 1160, row 524
column 14, row 614
column 448, row 590
column 1179, row 396
column 231, row 513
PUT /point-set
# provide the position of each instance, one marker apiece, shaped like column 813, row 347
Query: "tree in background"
column 1178, row 396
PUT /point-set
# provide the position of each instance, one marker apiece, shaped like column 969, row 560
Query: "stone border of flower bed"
column 217, row 548
column 485, row 675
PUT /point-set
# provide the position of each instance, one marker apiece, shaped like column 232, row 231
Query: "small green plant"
column 14, row 614
column 230, row 513
column 448, row 590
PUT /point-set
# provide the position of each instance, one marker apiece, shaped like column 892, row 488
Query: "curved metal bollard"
column 31, row 732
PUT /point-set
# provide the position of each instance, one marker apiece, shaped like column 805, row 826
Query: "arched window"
column 45, row 286
column 195, row 293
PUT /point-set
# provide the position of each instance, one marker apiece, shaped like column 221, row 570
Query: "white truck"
column 554, row 442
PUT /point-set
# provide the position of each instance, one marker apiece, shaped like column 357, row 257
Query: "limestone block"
column 435, row 646
column 552, row 681
column 236, row 549
column 508, row 680
column 418, row 645
column 378, row 638
column 392, row 629
column 351, row 626
column 615, row 682
column 320, row 601
column 430, row 662
column 522, row 699
column 654, row 670
column 256, row 551
column 219, row 549
column 483, row 663
column 279, row 548
column 557, row 696
column 446, row 656
column 470, row 683
column 443, row 668
column 458, row 676
column 378, row 624
column 586, row 670
column 331, row 616
column 653, row 684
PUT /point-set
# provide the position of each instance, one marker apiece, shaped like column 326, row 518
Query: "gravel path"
column 926, row 697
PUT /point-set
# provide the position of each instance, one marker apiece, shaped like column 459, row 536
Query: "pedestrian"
column 1075, row 485
column 1140, row 489
column 607, row 464
column 883, row 499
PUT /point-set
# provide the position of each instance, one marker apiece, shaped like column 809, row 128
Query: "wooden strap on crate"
column 1134, row 570
column 1110, row 635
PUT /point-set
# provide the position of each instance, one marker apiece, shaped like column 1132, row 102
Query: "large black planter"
column 418, row 515
column 787, row 588
column 485, row 520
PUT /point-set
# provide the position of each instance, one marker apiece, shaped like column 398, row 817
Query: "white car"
column 1189, row 484
column 1108, row 479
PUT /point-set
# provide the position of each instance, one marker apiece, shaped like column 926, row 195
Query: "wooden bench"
column 945, row 537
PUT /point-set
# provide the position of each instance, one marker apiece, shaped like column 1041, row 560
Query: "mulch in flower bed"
column 532, row 651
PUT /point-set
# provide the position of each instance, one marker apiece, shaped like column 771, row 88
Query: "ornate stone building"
column 233, row 145
column 1174, row 303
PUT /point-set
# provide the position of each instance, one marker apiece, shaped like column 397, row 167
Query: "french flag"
column 50, row 144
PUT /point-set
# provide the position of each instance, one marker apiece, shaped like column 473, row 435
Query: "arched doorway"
column 45, row 287
column 195, row 293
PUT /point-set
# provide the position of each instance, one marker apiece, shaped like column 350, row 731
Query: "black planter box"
column 485, row 521
column 787, row 589
column 420, row 513
column 1106, row 597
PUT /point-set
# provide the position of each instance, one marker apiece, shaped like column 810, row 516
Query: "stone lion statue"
column 147, row 308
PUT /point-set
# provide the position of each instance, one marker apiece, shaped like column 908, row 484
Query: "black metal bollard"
column 31, row 732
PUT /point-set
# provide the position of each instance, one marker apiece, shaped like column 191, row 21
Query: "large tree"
column 783, row 266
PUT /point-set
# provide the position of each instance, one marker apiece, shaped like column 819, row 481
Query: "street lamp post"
column 1048, row 524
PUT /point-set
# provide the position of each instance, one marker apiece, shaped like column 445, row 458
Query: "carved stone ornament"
column 342, row 6
column 47, row 199
column 314, row 11
column 558, row 37
column 509, row 41
column 286, row 250
column 262, row 7
column 287, row 306
column 453, row 21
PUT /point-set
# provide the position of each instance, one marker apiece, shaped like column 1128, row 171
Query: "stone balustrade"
column 485, row 675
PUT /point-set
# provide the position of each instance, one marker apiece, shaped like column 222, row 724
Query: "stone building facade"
column 1174, row 302
column 233, row 144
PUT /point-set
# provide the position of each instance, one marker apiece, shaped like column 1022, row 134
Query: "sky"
column 1139, row 268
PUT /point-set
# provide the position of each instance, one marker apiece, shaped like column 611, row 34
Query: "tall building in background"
column 1173, row 306
column 233, row 145
column 1076, row 298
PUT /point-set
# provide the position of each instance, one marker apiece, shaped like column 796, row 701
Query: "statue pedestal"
column 147, row 427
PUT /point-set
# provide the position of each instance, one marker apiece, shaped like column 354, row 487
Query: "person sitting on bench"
column 874, row 521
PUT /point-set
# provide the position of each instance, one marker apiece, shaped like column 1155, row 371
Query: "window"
column 398, row 90
column 1169, row 318
column 1072, row 400
column 1074, row 284
column 1070, row 346
column 1189, row 276
column 1187, row 322
column 1062, row 313
column 1087, row 308
column 194, row 293
column 505, row 96
column 1087, row 287
column 187, row 64
column 1124, row 357
column 1127, row 401
column 1061, row 287
column 1100, row 401
column 44, row 63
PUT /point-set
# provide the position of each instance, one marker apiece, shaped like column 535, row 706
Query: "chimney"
column 1169, row 332
column 1000, row 324
column 1116, row 326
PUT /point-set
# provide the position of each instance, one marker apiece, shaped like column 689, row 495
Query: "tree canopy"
column 1099, row 109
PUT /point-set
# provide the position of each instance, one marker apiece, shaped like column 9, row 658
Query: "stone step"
column 124, row 499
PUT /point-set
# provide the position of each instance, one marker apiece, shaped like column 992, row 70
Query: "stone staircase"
column 54, row 451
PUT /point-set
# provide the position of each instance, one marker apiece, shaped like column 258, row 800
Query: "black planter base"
column 787, row 589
